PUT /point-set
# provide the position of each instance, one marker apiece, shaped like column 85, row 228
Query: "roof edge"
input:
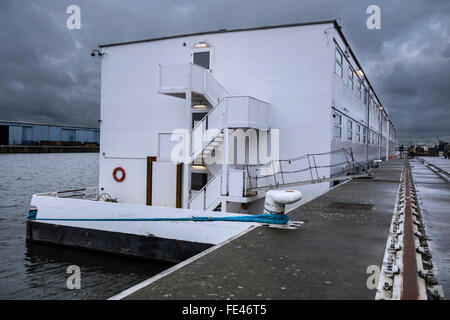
column 221, row 31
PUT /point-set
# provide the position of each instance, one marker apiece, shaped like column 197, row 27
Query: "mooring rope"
column 261, row 218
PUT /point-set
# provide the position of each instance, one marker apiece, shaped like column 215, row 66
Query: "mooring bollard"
column 276, row 200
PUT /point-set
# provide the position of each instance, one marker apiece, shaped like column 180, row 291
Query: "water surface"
column 36, row 271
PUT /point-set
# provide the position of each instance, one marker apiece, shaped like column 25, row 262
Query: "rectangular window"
column 364, row 135
column 366, row 96
column 351, row 75
column 358, row 133
column 359, row 88
column 338, row 64
column 337, row 125
column 202, row 58
column 349, row 129
column 197, row 117
column 198, row 180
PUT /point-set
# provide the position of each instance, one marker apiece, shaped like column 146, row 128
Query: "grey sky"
column 48, row 75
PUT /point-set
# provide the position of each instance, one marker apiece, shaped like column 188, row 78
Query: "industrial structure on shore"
column 38, row 134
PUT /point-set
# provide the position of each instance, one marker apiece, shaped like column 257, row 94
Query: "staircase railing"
column 208, row 195
column 180, row 77
column 213, row 120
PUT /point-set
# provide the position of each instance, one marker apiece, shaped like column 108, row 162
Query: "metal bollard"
column 276, row 200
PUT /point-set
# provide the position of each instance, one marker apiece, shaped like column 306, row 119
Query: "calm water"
column 39, row 271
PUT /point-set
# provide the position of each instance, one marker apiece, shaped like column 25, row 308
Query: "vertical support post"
column 274, row 173
column 388, row 134
column 188, row 126
column 368, row 127
column 224, row 182
column 380, row 140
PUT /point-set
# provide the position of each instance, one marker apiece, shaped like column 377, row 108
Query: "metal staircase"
column 190, row 80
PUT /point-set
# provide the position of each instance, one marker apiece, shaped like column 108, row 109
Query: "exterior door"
column 203, row 58
column 164, row 181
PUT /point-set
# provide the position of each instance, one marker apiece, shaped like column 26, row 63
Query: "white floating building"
column 302, row 80
column 196, row 128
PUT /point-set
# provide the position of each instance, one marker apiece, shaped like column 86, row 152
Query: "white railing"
column 208, row 195
column 237, row 183
column 173, row 78
column 88, row 193
column 232, row 112
column 247, row 112
column 214, row 122
column 214, row 91
column 207, row 198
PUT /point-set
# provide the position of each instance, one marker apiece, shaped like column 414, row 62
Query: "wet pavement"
column 344, row 234
column 434, row 200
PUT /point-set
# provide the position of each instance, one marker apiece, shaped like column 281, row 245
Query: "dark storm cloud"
column 47, row 74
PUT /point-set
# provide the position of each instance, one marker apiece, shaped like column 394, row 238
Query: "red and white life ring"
column 122, row 176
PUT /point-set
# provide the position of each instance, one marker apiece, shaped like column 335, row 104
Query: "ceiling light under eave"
column 200, row 106
column 198, row 167
column 201, row 44
column 360, row 73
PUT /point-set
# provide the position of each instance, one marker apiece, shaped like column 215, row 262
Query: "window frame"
column 351, row 77
column 359, row 88
column 358, row 133
column 349, row 130
column 336, row 62
column 337, row 125
column 211, row 57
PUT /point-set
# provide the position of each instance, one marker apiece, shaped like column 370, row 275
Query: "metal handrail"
column 352, row 162
column 204, row 187
column 81, row 193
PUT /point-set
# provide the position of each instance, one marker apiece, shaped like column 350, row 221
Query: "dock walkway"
column 345, row 232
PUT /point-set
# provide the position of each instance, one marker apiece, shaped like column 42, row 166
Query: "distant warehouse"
column 38, row 134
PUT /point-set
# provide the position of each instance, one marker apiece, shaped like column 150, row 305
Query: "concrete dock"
column 433, row 189
column 345, row 232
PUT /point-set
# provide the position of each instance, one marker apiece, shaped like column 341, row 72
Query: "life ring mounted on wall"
column 122, row 175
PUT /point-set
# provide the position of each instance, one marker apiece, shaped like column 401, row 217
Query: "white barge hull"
column 80, row 223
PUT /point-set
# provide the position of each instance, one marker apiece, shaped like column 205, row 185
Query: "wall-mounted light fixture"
column 201, row 45
column 347, row 52
column 360, row 73
column 200, row 106
column 198, row 167
column 98, row 53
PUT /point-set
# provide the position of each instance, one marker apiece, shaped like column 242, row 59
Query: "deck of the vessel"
column 345, row 232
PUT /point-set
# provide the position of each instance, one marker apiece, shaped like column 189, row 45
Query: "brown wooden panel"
column 179, row 183
column 149, row 179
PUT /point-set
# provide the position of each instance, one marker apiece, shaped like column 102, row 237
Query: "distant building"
column 26, row 133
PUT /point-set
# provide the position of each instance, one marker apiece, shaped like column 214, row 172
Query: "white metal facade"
column 292, row 68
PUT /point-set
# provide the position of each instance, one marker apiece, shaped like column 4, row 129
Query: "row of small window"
column 353, row 131
column 353, row 80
